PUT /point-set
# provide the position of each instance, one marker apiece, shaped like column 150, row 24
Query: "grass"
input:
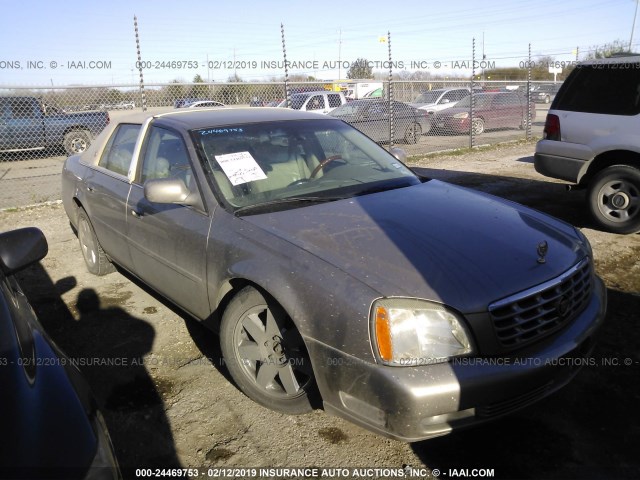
column 466, row 150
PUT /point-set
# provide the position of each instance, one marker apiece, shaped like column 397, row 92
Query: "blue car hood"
column 434, row 241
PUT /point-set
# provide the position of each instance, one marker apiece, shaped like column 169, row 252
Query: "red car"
column 491, row 110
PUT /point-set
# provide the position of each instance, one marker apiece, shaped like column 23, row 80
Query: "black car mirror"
column 21, row 248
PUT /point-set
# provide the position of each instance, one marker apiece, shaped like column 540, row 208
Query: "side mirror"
column 445, row 100
column 21, row 248
column 168, row 190
column 399, row 153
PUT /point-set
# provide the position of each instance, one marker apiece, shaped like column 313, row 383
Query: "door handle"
column 90, row 189
column 136, row 214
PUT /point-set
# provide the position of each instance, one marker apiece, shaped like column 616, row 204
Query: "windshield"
column 428, row 97
column 276, row 162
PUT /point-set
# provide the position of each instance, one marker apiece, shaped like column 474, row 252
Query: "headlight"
column 411, row 332
column 461, row 115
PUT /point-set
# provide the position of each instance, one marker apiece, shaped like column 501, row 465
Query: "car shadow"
column 109, row 346
column 548, row 197
column 585, row 430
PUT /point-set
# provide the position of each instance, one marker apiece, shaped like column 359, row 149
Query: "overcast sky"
column 83, row 42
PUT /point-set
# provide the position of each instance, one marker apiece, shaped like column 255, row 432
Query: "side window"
column 460, row 94
column 334, row 100
column 379, row 109
column 166, row 156
column 118, row 152
column 315, row 103
column 450, row 96
column 21, row 108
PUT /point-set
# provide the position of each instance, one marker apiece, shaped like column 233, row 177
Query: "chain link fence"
column 40, row 126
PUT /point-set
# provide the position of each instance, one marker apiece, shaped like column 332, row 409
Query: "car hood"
column 434, row 241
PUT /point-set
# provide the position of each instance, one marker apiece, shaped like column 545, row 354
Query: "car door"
column 106, row 189
column 167, row 242
column 25, row 125
column 500, row 111
column 372, row 119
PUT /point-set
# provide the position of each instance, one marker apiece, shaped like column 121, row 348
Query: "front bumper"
column 417, row 403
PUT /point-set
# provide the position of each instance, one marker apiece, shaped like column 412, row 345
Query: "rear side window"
column 118, row 152
column 606, row 89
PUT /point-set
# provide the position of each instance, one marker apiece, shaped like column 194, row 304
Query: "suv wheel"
column 614, row 199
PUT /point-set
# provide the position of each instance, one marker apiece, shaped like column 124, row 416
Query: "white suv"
column 592, row 138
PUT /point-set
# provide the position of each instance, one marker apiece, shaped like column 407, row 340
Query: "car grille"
column 530, row 315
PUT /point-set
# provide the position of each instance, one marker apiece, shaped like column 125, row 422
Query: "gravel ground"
column 172, row 404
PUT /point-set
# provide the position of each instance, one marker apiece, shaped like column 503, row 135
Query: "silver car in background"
column 407, row 305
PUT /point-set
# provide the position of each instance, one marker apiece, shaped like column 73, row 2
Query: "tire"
column 413, row 133
column 523, row 123
column 76, row 141
column 477, row 126
column 265, row 353
column 95, row 259
column 614, row 199
column 547, row 99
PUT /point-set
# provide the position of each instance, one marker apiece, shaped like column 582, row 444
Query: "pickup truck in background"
column 26, row 123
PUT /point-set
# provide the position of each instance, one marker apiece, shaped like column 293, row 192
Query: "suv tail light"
column 552, row 128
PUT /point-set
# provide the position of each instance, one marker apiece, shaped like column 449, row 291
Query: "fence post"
column 529, row 95
column 473, row 97
column 391, row 125
column 286, row 70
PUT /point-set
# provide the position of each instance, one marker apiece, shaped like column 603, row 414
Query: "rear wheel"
column 76, row 141
column 614, row 199
column 94, row 257
column 265, row 354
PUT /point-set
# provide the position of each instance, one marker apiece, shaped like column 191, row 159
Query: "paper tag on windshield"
column 240, row 167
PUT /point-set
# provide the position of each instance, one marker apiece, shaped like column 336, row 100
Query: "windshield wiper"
column 286, row 201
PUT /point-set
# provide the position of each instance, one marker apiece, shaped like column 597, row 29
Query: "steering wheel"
column 323, row 164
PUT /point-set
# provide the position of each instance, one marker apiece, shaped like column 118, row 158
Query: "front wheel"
column 614, row 199
column 412, row 135
column 265, row 354
column 477, row 126
column 76, row 141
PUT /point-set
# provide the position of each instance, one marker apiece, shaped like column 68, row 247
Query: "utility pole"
column 633, row 26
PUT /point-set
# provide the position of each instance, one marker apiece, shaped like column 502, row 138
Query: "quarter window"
column 334, row 100
column 604, row 88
